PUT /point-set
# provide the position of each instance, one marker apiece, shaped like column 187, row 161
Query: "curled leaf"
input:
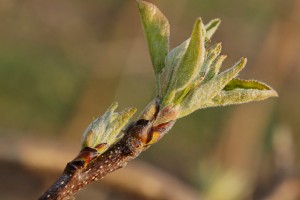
column 246, row 84
column 239, row 91
column 239, row 96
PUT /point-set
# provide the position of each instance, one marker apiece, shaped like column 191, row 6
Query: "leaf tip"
column 199, row 25
column 218, row 48
column 244, row 60
column 113, row 106
column 131, row 110
column 211, row 27
column 242, row 63
column 274, row 93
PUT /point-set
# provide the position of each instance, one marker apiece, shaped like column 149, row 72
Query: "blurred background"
column 63, row 62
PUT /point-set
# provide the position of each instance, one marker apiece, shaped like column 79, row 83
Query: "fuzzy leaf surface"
column 239, row 96
column 191, row 61
column 206, row 92
column 211, row 27
column 172, row 61
column 239, row 91
column 157, row 30
column 106, row 129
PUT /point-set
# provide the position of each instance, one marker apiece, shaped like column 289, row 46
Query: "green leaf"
column 191, row 61
column 211, row 27
column 157, row 31
column 239, row 96
column 215, row 68
column 204, row 93
column 239, row 91
column 210, row 58
column 172, row 61
column 175, row 56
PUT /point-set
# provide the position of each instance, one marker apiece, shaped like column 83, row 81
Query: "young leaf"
column 211, row 27
column 172, row 61
column 157, row 31
column 214, row 68
column 192, row 60
column 106, row 129
column 117, row 124
column 239, row 96
column 204, row 93
column 239, row 91
column 95, row 132
column 175, row 55
column 210, row 58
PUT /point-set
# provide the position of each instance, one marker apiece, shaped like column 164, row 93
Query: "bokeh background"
column 63, row 62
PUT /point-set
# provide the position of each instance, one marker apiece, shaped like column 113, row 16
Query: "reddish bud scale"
column 86, row 155
column 157, row 132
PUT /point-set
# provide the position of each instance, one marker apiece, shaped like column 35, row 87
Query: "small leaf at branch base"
column 106, row 129
column 95, row 132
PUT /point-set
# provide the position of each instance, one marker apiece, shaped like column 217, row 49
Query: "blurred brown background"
column 63, row 62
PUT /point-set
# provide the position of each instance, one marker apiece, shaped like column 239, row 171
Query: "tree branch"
column 88, row 167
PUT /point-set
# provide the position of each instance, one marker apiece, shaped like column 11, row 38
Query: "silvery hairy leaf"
column 106, row 129
column 204, row 93
column 191, row 61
